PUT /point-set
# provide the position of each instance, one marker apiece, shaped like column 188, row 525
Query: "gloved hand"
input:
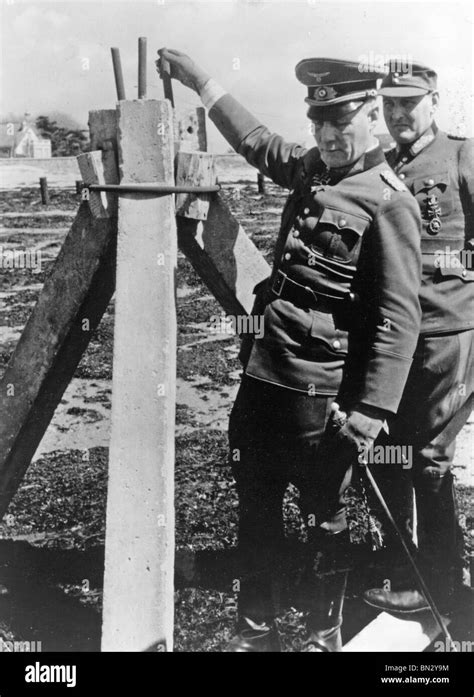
column 183, row 68
column 357, row 434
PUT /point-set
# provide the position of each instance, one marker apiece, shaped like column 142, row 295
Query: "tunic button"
column 288, row 256
column 296, row 233
column 402, row 176
column 342, row 222
column 306, row 211
column 429, row 182
column 336, row 344
column 464, row 273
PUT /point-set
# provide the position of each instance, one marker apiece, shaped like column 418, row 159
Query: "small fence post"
column 44, row 191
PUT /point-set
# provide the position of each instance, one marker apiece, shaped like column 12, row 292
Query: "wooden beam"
column 190, row 129
column 71, row 303
column 195, row 169
column 139, row 554
column 92, row 171
column 214, row 241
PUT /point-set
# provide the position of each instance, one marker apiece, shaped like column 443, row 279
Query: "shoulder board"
column 389, row 177
column 453, row 137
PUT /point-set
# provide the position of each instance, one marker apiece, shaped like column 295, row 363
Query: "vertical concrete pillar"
column 139, row 555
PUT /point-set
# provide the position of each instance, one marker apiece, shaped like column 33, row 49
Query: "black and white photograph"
column 236, row 335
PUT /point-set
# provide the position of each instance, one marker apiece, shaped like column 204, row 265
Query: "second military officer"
column 439, row 171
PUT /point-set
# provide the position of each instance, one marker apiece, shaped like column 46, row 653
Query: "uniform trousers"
column 435, row 406
column 277, row 436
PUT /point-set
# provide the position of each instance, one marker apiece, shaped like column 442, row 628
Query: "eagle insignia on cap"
column 318, row 76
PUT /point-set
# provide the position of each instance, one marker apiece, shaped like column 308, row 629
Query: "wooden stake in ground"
column 139, row 554
column 44, row 191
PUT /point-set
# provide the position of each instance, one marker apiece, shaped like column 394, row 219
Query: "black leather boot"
column 323, row 641
column 255, row 638
column 405, row 601
column 409, row 601
column 325, row 618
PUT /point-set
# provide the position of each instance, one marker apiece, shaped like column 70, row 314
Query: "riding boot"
column 325, row 618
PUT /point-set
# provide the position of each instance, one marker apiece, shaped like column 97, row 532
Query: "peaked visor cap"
column 417, row 79
column 331, row 81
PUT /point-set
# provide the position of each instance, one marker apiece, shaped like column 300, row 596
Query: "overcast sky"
column 56, row 55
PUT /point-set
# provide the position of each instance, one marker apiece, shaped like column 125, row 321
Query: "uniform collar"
column 369, row 159
column 420, row 144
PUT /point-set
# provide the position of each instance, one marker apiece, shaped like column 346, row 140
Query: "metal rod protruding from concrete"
column 142, row 67
column 166, row 77
column 118, row 73
column 155, row 188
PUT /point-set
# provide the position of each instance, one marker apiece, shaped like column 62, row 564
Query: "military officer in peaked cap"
column 341, row 304
column 439, row 171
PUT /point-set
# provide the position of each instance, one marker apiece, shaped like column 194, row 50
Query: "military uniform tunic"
column 344, row 231
column 439, row 171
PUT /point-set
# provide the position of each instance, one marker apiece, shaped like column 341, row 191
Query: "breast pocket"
column 337, row 235
column 434, row 195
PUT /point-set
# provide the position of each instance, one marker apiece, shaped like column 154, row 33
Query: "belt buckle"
column 279, row 282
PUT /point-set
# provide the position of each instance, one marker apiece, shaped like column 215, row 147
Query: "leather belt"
column 303, row 296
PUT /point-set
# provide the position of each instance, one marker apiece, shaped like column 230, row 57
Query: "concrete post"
column 139, row 554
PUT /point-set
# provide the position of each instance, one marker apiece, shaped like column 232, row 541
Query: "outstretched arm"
column 266, row 151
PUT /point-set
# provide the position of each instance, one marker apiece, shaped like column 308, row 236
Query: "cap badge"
column 318, row 76
column 325, row 92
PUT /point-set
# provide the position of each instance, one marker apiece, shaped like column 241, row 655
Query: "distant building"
column 21, row 139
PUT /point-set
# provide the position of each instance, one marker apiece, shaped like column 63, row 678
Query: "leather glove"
column 183, row 68
column 357, row 434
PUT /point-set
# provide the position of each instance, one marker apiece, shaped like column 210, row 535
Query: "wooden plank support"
column 393, row 633
column 139, row 549
column 72, row 301
column 190, row 129
column 92, row 170
column 214, row 241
